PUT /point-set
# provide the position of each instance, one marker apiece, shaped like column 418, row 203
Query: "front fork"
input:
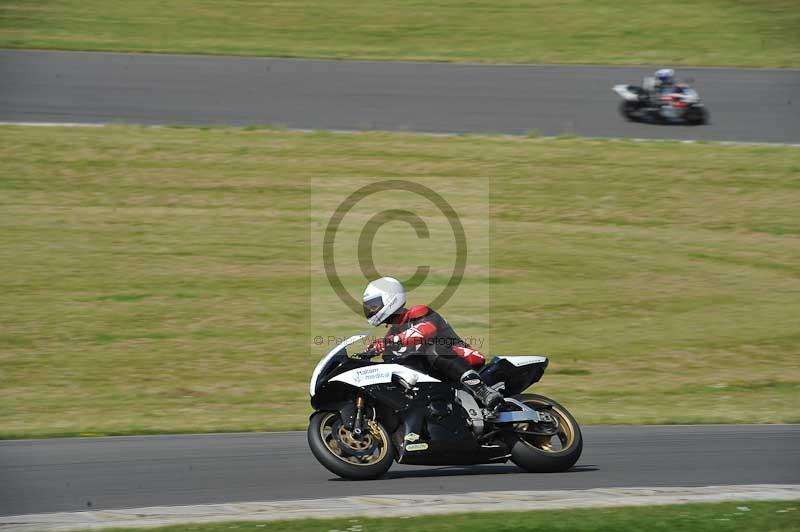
column 358, row 422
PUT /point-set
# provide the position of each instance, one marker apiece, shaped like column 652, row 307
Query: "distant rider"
column 422, row 331
column 661, row 83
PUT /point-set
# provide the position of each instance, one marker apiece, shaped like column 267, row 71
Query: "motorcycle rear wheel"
column 546, row 454
column 346, row 455
column 697, row 117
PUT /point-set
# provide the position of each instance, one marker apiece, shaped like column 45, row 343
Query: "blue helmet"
column 665, row 76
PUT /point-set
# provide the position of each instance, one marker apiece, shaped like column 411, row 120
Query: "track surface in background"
column 120, row 472
column 745, row 104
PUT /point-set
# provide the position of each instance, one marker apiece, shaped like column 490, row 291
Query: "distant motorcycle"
column 368, row 415
column 680, row 103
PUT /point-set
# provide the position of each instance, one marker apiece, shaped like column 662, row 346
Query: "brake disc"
column 366, row 445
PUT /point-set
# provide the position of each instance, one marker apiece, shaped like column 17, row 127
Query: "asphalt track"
column 748, row 105
column 38, row 476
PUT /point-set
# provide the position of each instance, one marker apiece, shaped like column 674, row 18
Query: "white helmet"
column 382, row 298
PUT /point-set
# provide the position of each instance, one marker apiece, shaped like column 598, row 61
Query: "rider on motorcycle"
column 422, row 331
column 661, row 83
column 665, row 80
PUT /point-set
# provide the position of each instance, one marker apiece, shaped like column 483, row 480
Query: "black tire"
column 628, row 110
column 697, row 116
column 532, row 453
column 339, row 465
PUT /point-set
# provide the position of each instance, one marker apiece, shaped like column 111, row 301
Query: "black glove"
column 368, row 354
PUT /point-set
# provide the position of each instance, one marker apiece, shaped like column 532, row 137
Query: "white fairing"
column 381, row 373
column 333, row 352
column 690, row 95
column 626, row 93
column 525, row 360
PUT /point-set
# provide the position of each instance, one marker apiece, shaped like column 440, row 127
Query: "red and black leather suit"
column 419, row 336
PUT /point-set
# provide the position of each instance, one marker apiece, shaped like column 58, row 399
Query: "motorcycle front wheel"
column 630, row 110
column 545, row 447
column 343, row 453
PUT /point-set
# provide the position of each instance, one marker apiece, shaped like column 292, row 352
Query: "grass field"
column 712, row 32
column 723, row 517
column 157, row 279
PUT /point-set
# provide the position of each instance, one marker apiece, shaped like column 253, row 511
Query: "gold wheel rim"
column 374, row 435
column 564, row 437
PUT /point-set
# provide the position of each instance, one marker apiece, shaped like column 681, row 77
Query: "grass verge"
column 722, row 517
column 157, row 279
column 682, row 32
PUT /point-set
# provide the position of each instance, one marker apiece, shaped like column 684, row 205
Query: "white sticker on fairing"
column 371, row 375
column 524, row 361
column 380, row 374
column 416, row 446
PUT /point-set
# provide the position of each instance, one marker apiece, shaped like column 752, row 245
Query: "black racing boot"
column 488, row 397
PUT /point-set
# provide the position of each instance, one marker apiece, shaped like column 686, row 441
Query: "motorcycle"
column 682, row 104
column 367, row 415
